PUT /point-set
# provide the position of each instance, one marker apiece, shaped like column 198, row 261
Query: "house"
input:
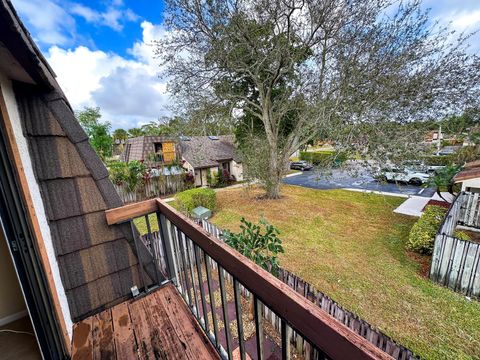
column 156, row 150
column 202, row 155
column 434, row 136
column 469, row 177
column 80, row 278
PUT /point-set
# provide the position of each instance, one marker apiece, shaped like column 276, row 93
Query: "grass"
column 351, row 246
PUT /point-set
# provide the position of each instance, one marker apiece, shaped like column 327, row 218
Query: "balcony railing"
column 229, row 295
column 456, row 262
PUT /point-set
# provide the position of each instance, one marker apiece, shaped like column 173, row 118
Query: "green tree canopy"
column 98, row 132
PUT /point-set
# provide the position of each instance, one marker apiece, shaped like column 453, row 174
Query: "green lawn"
column 350, row 246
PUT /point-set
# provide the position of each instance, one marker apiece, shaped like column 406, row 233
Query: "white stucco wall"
column 472, row 185
column 236, row 170
column 12, row 109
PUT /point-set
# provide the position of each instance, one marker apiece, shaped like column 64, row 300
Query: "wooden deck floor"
column 157, row 326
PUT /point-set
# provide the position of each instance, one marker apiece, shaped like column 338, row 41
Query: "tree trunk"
column 277, row 169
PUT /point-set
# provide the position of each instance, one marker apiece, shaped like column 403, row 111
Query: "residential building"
column 84, row 279
column 204, row 155
column 469, row 177
column 156, row 150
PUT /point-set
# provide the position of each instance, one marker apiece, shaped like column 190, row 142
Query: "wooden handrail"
column 127, row 212
column 335, row 339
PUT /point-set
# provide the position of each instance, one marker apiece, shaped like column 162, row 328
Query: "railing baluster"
column 212, row 299
column 168, row 249
column 226, row 320
column 181, row 267
column 238, row 312
column 152, row 248
column 192, row 275
column 258, row 326
column 197, row 252
column 140, row 264
column 185, row 267
column 285, row 340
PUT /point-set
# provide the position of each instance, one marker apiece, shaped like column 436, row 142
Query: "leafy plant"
column 422, row 234
column 136, row 170
column 443, row 179
column 259, row 245
column 461, row 235
column 118, row 171
column 190, row 199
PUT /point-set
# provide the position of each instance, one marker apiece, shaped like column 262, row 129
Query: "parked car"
column 300, row 165
column 410, row 176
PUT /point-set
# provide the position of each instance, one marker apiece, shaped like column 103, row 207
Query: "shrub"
column 461, row 235
column 422, row 234
column 324, row 158
column 439, row 160
column 260, row 246
column 118, row 172
column 190, row 199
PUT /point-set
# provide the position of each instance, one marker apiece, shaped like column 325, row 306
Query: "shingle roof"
column 470, row 171
column 139, row 147
column 202, row 151
column 76, row 192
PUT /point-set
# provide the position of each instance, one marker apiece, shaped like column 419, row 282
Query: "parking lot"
column 353, row 177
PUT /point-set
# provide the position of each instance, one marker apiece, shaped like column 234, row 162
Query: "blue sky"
column 102, row 54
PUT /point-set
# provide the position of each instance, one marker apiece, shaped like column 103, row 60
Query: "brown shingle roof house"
column 155, row 149
column 75, row 272
column 202, row 154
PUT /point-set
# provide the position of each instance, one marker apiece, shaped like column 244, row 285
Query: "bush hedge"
column 190, row 199
column 325, row 158
column 422, row 234
column 439, row 160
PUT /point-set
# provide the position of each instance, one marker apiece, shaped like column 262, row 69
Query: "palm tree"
column 443, row 179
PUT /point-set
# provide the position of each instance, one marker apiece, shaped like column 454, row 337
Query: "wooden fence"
column 455, row 262
column 349, row 319
column 157, row 186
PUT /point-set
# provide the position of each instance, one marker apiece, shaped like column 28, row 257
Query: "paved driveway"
column 354, row 179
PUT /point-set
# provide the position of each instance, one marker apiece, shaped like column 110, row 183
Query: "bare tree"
column 308, row 67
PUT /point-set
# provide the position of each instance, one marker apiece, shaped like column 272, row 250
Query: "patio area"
column 156, row 326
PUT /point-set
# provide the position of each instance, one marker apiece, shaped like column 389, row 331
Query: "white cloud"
column 128, row 91
column 51, row 23
column 113, row 17
column 467, row 20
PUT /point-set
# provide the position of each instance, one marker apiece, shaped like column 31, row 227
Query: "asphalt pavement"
column 353, row 177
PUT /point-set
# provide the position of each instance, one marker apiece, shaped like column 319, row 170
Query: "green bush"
column 439, row 160
column 259, row 243
column 324, row 158
column 461, row 235
column 190, row 199
column 422, row 234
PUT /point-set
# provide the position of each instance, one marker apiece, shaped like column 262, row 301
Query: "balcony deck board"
column 157, row 326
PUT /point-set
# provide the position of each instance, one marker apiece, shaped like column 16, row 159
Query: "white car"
column 410, row 176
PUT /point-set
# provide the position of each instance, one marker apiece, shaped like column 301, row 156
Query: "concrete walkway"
column 414, row 205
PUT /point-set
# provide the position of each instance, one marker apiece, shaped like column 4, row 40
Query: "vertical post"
column 152, row 248
column 140, row 263
column 212, row 299
column 197, row 252
column 285, row 340
column 184, row 267
column 258, row 326
column 226, row 320
column 192, row 275
column 238, row 312
column 167, row 244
